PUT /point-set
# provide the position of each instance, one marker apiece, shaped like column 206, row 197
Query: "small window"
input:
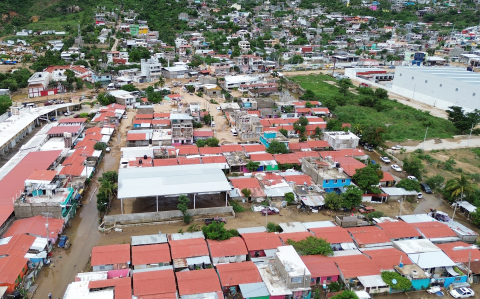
column 473, row 94
column 329, row 278
column 413, row 78
column 344, row 181
column 400, row 74
column 327, row 181
column 440, row 85
column 456, row 89
column 426, row 81
column 297, row 279
column 335, row 181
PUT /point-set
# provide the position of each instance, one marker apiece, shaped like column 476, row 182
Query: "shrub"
column 402, row 283
column 237, row 208
column 312, row 246
column 272, row 228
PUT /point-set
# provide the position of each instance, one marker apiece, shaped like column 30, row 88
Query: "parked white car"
column 411, row 177
column 396, row 147
column 385, row 160
column 396, row 167
column 462, row 293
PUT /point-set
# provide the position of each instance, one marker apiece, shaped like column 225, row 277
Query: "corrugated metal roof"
column 188, row 248
column 110, row 254
column 234, row 274
column 171, row 180
column 147, row 284
column 231, row 247
column 252, row 290
column 151, row 254
column 429, row 260
column 318, row 224
column 149, row 239
column 185, row 236
column 247, row 230
column 197, row 282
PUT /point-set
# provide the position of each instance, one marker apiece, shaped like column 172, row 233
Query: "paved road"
column 447, row 144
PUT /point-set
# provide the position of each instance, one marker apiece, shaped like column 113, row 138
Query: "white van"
column 212, row 124
column 234, row 132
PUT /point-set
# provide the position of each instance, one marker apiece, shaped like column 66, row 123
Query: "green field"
column 402, row 122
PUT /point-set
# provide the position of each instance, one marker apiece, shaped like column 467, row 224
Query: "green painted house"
column 134, row 29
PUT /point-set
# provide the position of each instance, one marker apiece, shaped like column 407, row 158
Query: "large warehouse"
column 440, row 87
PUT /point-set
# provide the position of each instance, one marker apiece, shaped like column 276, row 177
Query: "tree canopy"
column 367, row 178
column 5, row 104
column 352, row 197
column 217, row 231
column 461, row 120
column 276, row 147
column 312, row 246
column 413, row 165
column 409, row 185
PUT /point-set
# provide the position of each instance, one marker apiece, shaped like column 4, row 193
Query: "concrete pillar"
column 194, row 194
column 55, row 114
column 157, row 203
column 122, row 205
column 226, row 201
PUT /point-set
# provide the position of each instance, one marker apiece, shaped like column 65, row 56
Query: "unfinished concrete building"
column 326, row 173
column 248, row 126
column 182, row 128
column 341, row 140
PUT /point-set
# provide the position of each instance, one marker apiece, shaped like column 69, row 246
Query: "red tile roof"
column 460, row 256
column 355, row 266
column 213, row 159
column 318, row 144
column 333, row 235
column 151, row 254
column 203, row 133
column 136, row 136
column 35, row 226
column 299, row 179
column 287, row 159
column 210, row 150
column 321, row 110
column 368, row 235
column 230, row 247
column 262, row 157
column 144, row 116
column 385, row 259
column 434, row 229
column 301, row 155
column 299, row 146
column 161, row 115
column 251, row 148
column 122, row 286
column 303, row 110
column 110, row 254
column 188, row 248
column 187, row 149
column 18, row 245
column 349, row 164
column 76, row 68
column 234, row 274
column 298, row 236
column 228, row 148
column 399, row 230
column 42, row 175
column 161, row 122
column 242, row 183
column 198, row 282
column 14, row 181
column 10, row 269
column 277, row 122
column 142, row 121
column 188, row 161
column 72, row 120
column 261, row 241
column 155, row 284
column 165, row 162
column 62, row 129
column 312, row 127
column 387, row 177
column 320, row 266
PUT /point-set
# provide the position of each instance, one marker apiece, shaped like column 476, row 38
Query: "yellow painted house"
column 143, row 30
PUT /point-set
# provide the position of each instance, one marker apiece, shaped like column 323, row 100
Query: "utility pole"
column 47, row 214
column 470, row 136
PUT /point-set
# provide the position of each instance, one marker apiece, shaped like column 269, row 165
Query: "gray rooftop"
column 171, row 180
column 149, row 239
column 253, row 290
column 453, row 73
column 246, row 230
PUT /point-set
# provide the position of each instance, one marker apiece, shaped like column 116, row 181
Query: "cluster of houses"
column 261, row 264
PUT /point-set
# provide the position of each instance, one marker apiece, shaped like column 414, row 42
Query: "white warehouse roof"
column 171, row 180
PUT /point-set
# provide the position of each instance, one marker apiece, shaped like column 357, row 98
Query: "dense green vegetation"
column 397, row 122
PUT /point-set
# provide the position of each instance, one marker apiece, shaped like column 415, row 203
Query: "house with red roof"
column 323, row 269
column 202, row 134
column 252, row 184
column 400, row 230
column 189, row 253
column 261, row 244
column 301, row 155
column 147, row 284
column 299, row 147
column 234, row 274
column 35, row 226
column 287, row 159
column 266, row 160
column 187, row 150
column 296, row 236
column 199, row 282
column 122, row 287
column 354, row 266
column 254, row 148
column 165, row 162
column 298, row 179
column 232, row 250
column 188, row 161
column 138, row 139
column 229, row 148
column 334, row 235
column 436, row 232
column 388, row 180
column 387, row 258
column 210, row 151
column 219, row 160
column 110, row 257
column 369, row 236
column 150, row 256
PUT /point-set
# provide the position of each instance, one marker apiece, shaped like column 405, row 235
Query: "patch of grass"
column 402, row 122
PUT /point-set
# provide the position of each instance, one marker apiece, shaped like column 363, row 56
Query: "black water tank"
column 144, row 157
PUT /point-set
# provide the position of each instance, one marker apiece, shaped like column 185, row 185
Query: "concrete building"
column 341, row 140
column 151, row 68
column 123, row 97
column 175, row 71
column 325, row 173
column 182, row 128
column 439, row 87
column 236, row 81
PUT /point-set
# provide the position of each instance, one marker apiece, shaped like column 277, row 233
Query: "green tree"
column 290, row 198
column 413, row 165
column 200, row 143
column 207, row 118
column 344, row 85
column 283, row 132
column 374, row 135
column 318, row 132
column 409, row 185
column 273, row 228
column 312, row 246
column 277, row 148
column 352, row 197
column 246, row 192
column 182, row 205
column 376, row 214
column 212, row 142
column 308, row 105
column 217, row 231
column 97, row 85
column 461, row 120
column 333, row 201
column 100, row 146
column 396, row 281
column 5, row 104
column 70, row 76
column 129, row 87
column 252, row 166
column 460, row 186
column 435, row 182
column 296, row 59
column 334, row 124
column 346, row 294
column 367, row 178
column 308, row 95
column 106, row 99
column 79, row 83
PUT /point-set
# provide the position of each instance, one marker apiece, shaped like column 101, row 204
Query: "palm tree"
column 460, row 186
column 161, row 82
column 109, row 188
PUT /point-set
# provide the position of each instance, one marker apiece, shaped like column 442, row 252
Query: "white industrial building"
column 236, row 81
column 440, row 87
